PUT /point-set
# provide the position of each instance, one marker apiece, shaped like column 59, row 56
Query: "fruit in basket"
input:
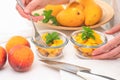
column 92, row 11
column 55, row 9
column 16, row 40
column 20, row 58
column 3, row 57
column 75, row 14
column 71, row 17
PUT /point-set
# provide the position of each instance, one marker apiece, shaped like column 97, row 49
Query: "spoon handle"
column 23, row 7
column 37, row 36
column 20, row 4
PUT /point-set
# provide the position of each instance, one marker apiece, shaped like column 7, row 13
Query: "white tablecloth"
column 13, row 24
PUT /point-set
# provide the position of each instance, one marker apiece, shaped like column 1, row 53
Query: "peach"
column 16, row 40
column 20, row 58
column 3, row 57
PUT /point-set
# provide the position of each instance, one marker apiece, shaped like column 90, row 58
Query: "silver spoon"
column 37, row 36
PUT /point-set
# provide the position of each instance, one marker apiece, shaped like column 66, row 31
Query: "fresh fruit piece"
column 85, row 2
column 50, row 52
column 16, row 40
column 75, row 5
column 3, row 57
column 85, row 51
column 20, row 58
column 55, row 9
column 57, row 42
column 92, row 11
column 93, row 14
column 71, row 17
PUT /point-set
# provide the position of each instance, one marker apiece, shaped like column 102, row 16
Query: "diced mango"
column 51, row 52
column 78, row 39
column 44, row 36
column 88, row 42
column 86, row 50
column 57, row 42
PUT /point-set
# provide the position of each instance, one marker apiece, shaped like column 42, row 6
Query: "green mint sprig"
column 51, row 37
column 36, row 14
column 87, row 33
column 49, row 17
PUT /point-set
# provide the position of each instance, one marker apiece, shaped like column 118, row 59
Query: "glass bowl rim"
column 87, row 46
column 63, row 35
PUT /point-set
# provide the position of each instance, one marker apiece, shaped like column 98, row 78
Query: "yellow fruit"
column 16, row 40
column 55, row 8
column 89, row 42
column 92, row 11
column 86, row 50
column 85, row 2
column 93, row 14
column 71, row 17
column 78, row 39
column 49, row 52
column 57, row 42
column 75, row 5
column 78, row 1
column 44, row 36
column 97, row 38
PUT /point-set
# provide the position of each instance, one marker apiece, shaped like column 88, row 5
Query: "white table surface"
column 13, row 24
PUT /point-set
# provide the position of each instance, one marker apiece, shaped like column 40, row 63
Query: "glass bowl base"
column 49, row 58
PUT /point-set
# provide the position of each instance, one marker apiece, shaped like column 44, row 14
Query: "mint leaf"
column 54, row 21
column 45, row 20
column 55, row 35
column 36, row 14
column 87, row 33
column 48, row 17
column 51, row 37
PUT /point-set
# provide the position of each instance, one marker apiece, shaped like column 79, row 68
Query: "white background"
column 11, row 22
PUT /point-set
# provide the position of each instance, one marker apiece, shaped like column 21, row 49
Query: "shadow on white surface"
column 69, row 76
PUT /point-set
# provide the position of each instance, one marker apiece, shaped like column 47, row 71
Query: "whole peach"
column 3, row 57
column 16, row 40
column 20, row 58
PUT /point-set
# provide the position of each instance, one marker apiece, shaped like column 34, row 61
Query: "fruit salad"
column 87, row 40
column 55, row 41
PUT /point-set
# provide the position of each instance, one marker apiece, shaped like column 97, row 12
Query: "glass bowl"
column 85, row 49
column 51, row 52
